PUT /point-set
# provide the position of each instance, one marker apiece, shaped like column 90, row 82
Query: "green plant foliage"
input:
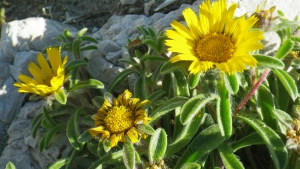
column 10, row 165
column 157, row 146
column 172, row 118
column 276, row 147
column 58, row 164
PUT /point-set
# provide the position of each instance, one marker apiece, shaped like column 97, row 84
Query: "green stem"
column 210, row 107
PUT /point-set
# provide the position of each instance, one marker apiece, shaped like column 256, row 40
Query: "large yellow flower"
column 215, row 39
column 46, row 78
column 120, row 118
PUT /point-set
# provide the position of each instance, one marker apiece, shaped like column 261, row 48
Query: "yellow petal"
column 54, row 57
column 44, row 65
column 133, row 135
column 96, row 130
column 37, row 73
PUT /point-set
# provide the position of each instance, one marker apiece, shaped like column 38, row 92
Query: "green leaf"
column 193, row 106
column 109, row 158
column 42, row 144
column 153, row 57
column 194, row 79
column 269, row 61
column 170, row 67
column 231, row 83
column 51, row 133
column 266, row 106
column 91, row 83
column 75, row 64
column 151, row 32
column 89, row 47
column 67, row 33
column 284, row 49
column 151, row 43
column 10, row 165
column 168, row 106
column 76, row 48
column 85, row 137
column 251, row 139
column 129, row 61
column 81, row 32
column 143, row 30
column 73, row 131
column 67, row 109
column 140, row 88
column 277, row 148
column 288, row 82
column 185, row 134
column 45, row 124
column 283, row 119
column 182, row 88
column 36, row 122
column 92, row 147
column 73, row 154
column 89, row 39
column 48, row 118
column 229, row 159
column 224, row 110
column 281, row 96
column 155, row 96
column 157, row 146
column 145, row 129
column 88, row 121
column 118, row 79
column 59, row 163
column 98, row 101
column 285, row 25
column 191, row 166
column 210, row 138
column 160, row 43
column 167, row 84
column 60, row 96
column 129, row 155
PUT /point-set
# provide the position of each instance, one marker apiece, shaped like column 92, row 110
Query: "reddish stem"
column 253, row 90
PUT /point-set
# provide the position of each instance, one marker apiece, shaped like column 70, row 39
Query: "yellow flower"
column 46, row 78
column 120, row 118
column 215, row 39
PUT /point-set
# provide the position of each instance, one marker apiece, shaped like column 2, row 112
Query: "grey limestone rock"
column 21, row 144
column 128, row 2
column 20, row 43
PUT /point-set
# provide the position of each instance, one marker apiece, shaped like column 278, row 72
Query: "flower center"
column 119, row 119
column 215, row 48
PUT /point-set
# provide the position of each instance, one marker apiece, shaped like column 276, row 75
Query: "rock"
column 20, row 43
column 147, row 6
column 10, row 100
column 113, row 57
column 21, row 143
column 29, row 34
column 107, row 46
column 17, row 151
column 21, row 61
column 128, row 2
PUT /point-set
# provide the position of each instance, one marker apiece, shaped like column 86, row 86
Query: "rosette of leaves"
column 71, row 114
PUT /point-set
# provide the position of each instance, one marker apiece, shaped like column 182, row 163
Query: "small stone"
column 128, row 2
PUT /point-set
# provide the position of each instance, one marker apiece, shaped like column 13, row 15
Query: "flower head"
column 120, row 118
column 46, row 78
column 215, row 39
